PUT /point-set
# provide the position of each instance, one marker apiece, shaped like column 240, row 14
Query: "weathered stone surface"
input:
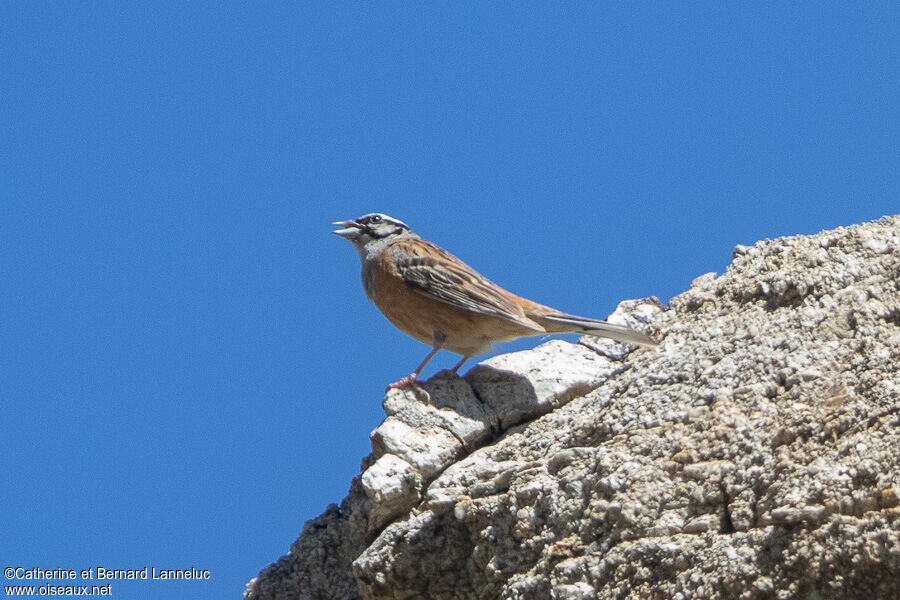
column 754, row 454
column 393, row 486
column 520, row 386
column 452, row 405
column 319, row 562
column 428, row 448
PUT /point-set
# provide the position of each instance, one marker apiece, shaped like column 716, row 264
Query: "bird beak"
column 350, row 230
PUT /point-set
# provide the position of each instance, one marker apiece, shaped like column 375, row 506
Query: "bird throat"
column 368, row 255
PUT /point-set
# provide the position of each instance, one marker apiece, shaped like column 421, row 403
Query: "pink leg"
column 411, row 379
column 459, row 364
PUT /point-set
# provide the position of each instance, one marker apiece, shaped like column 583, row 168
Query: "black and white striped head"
column 373, row 228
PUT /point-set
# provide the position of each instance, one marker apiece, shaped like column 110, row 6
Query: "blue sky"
column 189, row 369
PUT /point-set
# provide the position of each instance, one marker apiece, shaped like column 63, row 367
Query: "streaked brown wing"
column 440, row 275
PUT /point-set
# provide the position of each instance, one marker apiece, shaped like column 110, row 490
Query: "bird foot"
column 407, row 382
column 410, row 383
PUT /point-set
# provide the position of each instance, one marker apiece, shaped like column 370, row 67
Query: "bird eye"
column 375, row 219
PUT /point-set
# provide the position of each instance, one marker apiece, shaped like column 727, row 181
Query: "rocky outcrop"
column 754, row 454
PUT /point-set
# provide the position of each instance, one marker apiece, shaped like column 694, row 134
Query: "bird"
column 436, row 298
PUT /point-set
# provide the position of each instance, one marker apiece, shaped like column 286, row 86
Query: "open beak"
column 350, row 230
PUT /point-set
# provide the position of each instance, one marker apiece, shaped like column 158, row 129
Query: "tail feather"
column 563, row 323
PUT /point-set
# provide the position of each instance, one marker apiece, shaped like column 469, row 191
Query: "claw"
column 409, row 383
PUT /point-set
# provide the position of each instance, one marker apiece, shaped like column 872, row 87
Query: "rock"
column 753, row 454
column 430, row 449
column 393, row 486
column 520, row 386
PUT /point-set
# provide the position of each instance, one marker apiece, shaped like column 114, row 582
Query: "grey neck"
column 369, row 253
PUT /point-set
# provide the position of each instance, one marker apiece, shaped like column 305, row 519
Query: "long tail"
column 563, row 323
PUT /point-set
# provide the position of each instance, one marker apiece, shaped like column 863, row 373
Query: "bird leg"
column 410, row 380
column 459, row 364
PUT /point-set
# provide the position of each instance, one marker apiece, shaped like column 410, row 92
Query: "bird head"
column 370, row 228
